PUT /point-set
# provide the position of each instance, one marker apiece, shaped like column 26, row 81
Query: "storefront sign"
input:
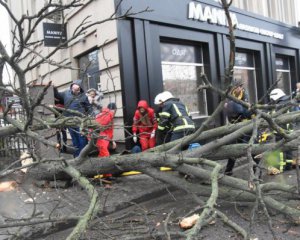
column 282, row 63
column 217, row 16
column 54, row 34
column 15, row 101
column 279, row 62
column 178, row 53
column 241, row 59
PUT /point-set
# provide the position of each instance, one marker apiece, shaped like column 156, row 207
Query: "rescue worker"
column 174, row 113
column 162, row 136
column 278, row 97
column 236, row 113
column 105, row 119
column 145, row 125
column 295, row 94
column 297, row 91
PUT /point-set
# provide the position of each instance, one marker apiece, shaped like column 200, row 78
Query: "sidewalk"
column 134, row 206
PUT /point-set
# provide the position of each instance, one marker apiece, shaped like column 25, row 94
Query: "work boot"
column 228, row 173
column 229, row 167
column 63, row 149
column 288, row 166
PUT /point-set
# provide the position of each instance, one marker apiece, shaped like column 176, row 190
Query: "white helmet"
column 276, row 93
column 164, row 96
column 157, row 99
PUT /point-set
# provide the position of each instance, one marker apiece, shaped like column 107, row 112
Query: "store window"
column 182, row 66
column 283, row 73
column 89, row 70
column 244, row 69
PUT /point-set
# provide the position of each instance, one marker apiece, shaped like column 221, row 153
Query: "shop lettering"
column 178, row 52
column 208, row 14
column 271, row 34
column 217, row 16
column 260, row 31
column 248, row 28
column 54, row 32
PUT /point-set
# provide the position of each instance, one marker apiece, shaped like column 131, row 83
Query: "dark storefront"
column 168, row 49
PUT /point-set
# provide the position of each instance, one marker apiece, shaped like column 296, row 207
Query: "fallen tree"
column 202, row 164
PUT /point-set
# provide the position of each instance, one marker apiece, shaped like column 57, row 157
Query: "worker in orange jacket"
column 145, row 125
column 105, row 119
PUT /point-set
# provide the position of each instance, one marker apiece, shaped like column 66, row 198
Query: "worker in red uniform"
column 145, row 125
column 105, row 119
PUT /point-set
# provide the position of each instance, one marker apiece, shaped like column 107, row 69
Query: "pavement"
column 132, row 207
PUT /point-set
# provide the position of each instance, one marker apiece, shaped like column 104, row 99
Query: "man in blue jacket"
column 76, row 100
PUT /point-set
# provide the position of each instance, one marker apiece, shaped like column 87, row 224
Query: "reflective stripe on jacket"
column 176, row 114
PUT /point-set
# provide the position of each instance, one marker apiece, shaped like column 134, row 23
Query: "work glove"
column 113, row 145
column 134, row 138
column 152, row 134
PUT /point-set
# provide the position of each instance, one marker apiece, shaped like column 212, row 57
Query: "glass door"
column 283, row 73
column 89, row 70
column 182, row 66
column 244, row 70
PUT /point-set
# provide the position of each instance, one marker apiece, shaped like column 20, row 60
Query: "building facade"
column 169, row 47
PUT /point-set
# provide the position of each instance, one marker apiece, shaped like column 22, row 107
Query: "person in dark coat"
column 236, row 113
column 162, row 136
column 75, row 99
column 174, row 113
column 61, row 133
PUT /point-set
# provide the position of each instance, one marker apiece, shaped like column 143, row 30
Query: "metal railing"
column 13, row 145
